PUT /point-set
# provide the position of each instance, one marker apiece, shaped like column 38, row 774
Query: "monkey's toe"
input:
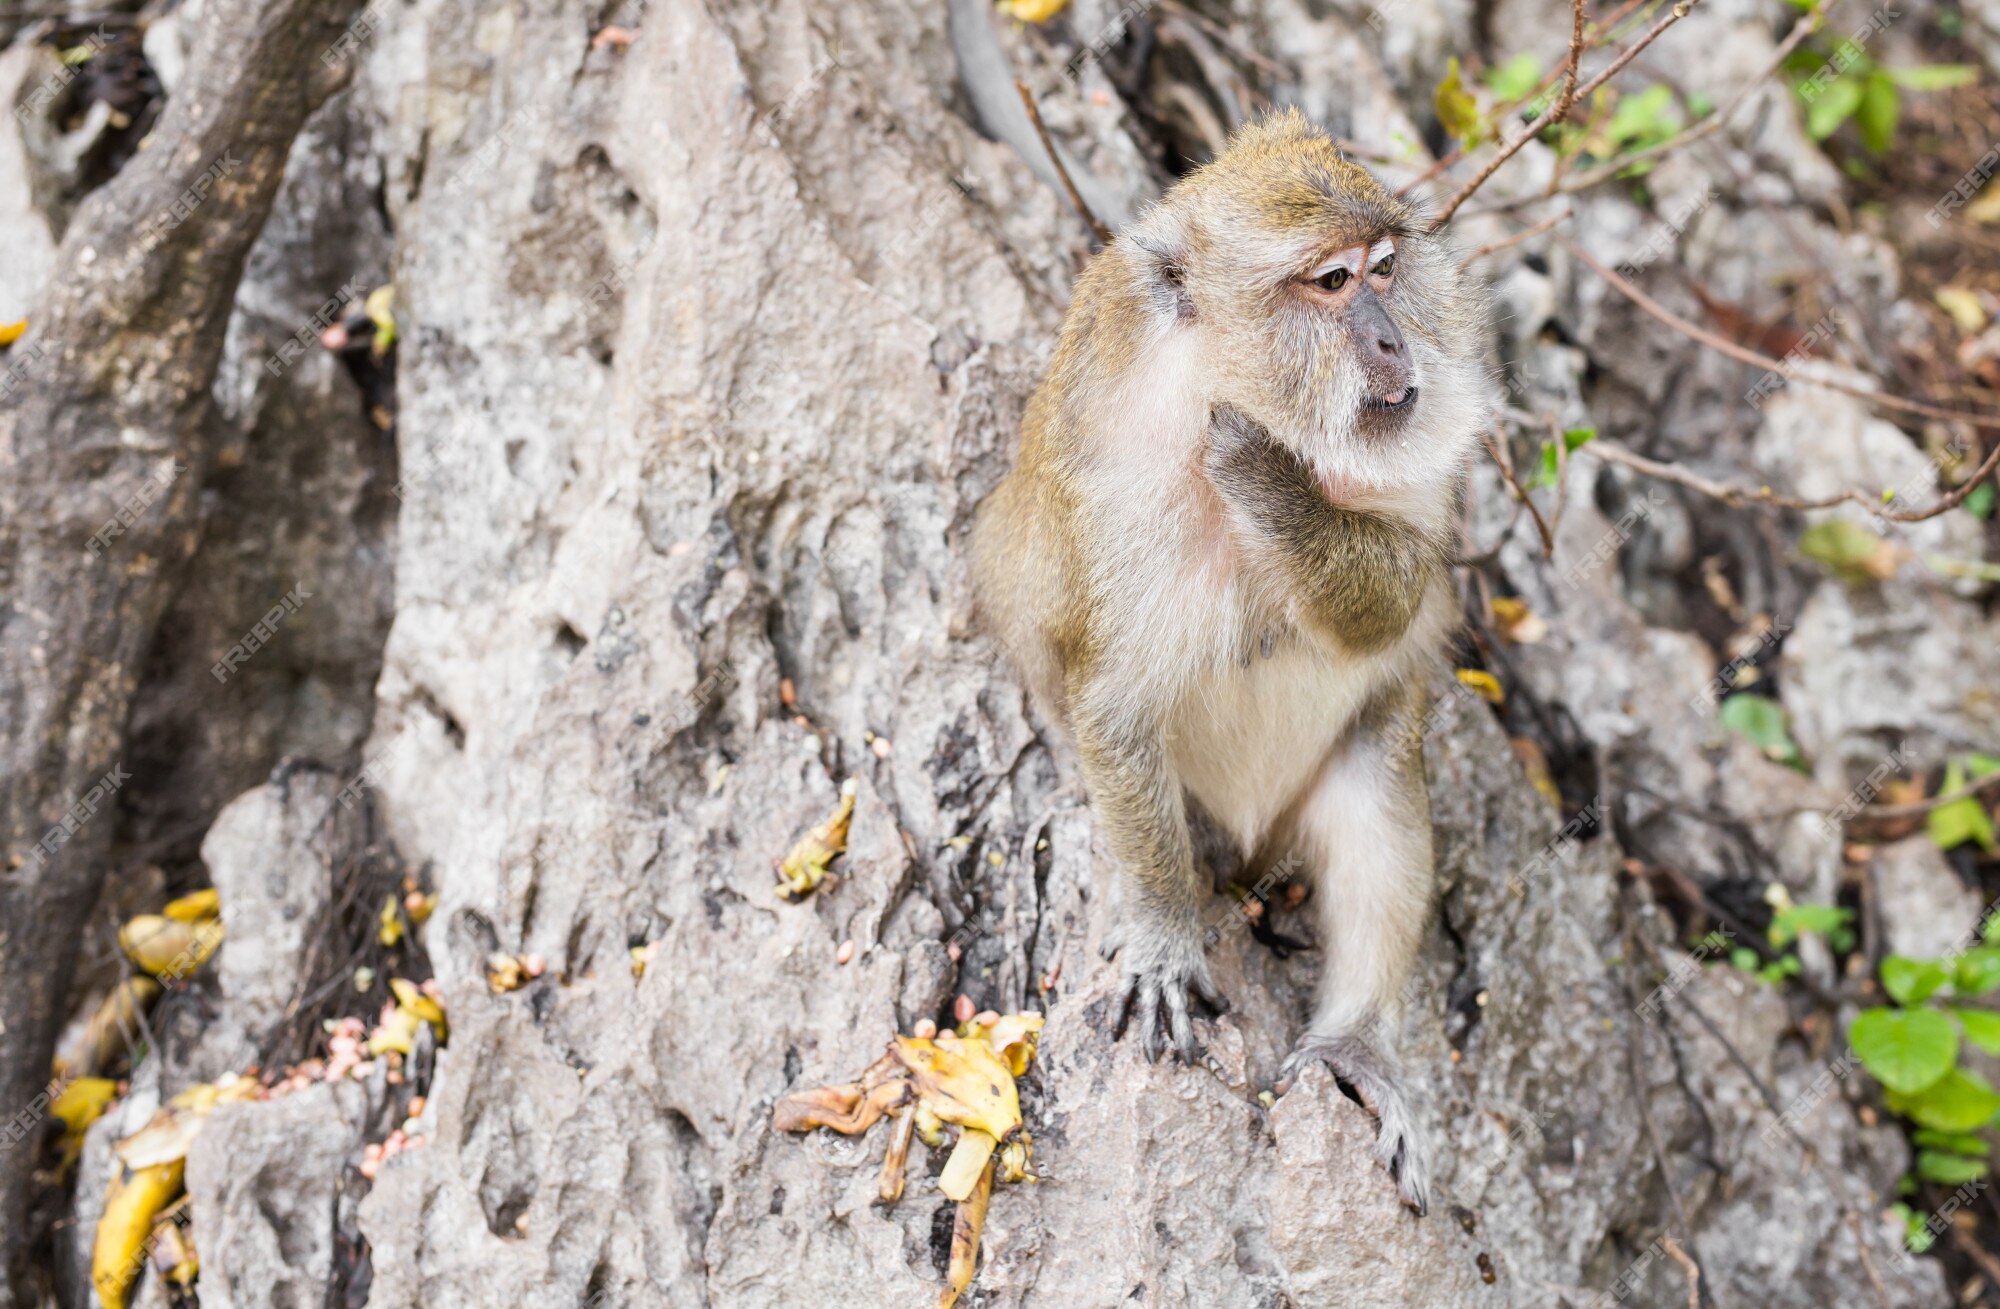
column 1369, row 1077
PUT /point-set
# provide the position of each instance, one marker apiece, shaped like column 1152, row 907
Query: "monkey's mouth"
column 1392, row 402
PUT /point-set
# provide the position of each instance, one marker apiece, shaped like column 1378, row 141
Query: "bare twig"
column 1921, row 808
column 1745, row 354
column 1526, row 234
column 1498, row 449
column 1575, row 59
column 1688, row 1266
column 1687, row 136
column 1551, row 114
column 1102, row 232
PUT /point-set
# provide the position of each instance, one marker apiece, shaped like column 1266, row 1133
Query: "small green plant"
column 1789, row 922
column 1964, row 819
column 1846, row 84
column 1763, row 722
column 1912, row 1046
column 1545, row 471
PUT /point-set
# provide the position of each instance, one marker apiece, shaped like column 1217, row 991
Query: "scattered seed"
column 845, row 952
column 962, row 1009
column 788, row 694
column 925, row 1029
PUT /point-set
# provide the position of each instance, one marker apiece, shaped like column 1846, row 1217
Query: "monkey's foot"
column 1161, row 969
column 1372, row 1078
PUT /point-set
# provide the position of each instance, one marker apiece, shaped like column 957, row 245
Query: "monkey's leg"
column 1366, row 826
column 1138, row 798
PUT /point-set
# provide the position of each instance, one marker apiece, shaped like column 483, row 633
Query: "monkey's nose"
column 1389, row 340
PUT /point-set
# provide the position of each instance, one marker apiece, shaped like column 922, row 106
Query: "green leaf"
column 1876, row 116
column 1916, row 1234
column 1457, row 111
column 1982, row 1028
column 1834, row 105
column 1962, row 820
column 1935, row 77
column 1746, row 959
column 1908, row 1050
column 1977, row 971
column 1515, row 78
column 1912, row 981
column 1848, row 548
column 1982, row 765
column 1980, row 503
column 1545, row 472
column 1956, row 1142
column 1761, row 721
column 1960, row 1101
column 1643, row 118
column 1949, row 1169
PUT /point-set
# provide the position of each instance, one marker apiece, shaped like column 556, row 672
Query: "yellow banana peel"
column 805, row 867
column 119, row 1251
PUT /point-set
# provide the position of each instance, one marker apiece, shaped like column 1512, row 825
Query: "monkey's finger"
column 1178, row 1025
column 1124, row 1012
column 1211, row 995
column 1149, row 1022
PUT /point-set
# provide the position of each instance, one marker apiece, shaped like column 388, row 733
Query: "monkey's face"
column 1322, row 308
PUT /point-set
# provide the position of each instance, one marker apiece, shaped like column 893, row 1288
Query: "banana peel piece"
column 169, row 948
column 968, row 1163
column 1014, row 1038
column 962, row 1082
column 423, row 1006
column 805, row 867
column 172, row 1130
column 849, row 1108
column 194, row 906
column 81, row 1102
column 119, row 1251
column 966, row 1226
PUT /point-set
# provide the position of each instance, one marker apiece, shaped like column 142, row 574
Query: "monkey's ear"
column 1165, row 272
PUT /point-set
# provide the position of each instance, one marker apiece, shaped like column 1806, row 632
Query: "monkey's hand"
column 1163, row 962
column 1372, row 1077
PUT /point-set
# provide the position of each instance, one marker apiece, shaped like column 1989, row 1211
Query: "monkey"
column 1222, row 560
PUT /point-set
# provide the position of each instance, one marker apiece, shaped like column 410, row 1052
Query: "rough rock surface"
column 711, row 345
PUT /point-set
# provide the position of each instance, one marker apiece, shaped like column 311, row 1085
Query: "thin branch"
column 1102, row 232
column 1707, row 127
column 1688, row 1266
column 1575, row 59
column 1922, row 808
column 1506, row 466
column 1526, row 234
column 1745, row 354
column 1550, row 115
column 1737, row 496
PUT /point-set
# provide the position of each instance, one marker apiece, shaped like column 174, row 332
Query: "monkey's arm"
column 1138, row 799
column 1363, row 576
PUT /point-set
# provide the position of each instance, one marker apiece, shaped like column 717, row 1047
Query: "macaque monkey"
column 1222, row 559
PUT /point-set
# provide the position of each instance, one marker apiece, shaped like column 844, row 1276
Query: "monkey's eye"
column 1332, row 279
column 1384, row 266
